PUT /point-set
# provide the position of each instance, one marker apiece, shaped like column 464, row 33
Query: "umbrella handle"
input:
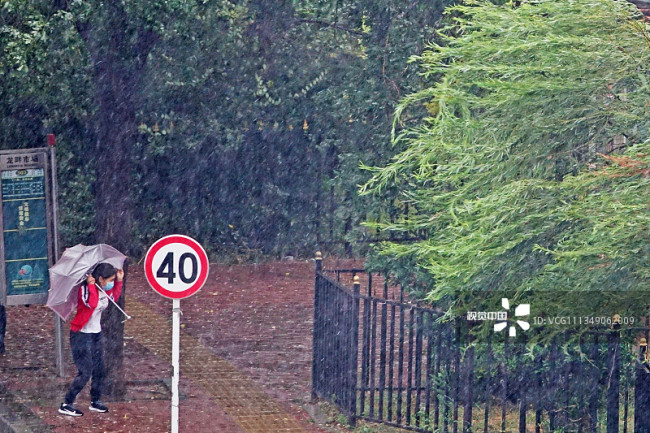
column 115, row 303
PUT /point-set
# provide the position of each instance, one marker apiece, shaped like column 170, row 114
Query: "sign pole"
column 58, row 323
column 176, row 339
column 176, row 267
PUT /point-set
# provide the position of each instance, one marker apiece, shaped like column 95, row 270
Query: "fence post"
column 523, row 391
column 354, row 352
column 316, row 340
column 504, row 375
column 613, row 376
column 593, row 399
column 382, row 351
column 365, row 352
column 469, row 360
column 642, row 390
column 457, row 375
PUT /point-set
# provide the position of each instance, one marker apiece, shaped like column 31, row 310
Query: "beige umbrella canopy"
column 72, row 269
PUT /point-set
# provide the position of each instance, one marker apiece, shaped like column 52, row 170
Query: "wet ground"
column 245, row 359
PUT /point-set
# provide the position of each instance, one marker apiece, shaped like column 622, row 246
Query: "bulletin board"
column 26, row 218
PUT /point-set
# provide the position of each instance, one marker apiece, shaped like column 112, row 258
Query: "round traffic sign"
column 176, row 266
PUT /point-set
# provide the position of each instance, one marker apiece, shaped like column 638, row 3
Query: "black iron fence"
column 382, row 358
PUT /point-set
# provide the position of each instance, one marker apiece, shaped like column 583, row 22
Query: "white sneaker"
column 70, row 410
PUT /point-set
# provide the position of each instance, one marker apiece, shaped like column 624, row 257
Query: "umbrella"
column 72, row 269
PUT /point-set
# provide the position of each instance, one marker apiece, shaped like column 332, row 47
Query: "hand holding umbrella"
column 120, row 277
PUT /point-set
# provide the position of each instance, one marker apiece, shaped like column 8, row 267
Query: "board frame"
column 37, row 158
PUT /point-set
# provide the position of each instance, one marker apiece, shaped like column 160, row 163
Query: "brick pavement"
column 243, row 400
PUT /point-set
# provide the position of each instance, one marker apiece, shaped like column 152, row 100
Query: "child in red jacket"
column 86, row 336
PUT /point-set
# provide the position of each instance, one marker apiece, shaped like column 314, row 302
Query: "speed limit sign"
column 176, row 266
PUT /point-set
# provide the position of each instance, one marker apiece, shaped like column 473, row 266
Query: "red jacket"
column 87, row 300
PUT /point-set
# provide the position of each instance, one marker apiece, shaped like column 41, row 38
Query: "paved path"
column 241, row 398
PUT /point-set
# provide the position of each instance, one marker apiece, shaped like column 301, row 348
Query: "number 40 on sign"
column 176, row 266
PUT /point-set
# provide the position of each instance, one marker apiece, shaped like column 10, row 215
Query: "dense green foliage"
column 531, row 175
column 239, row 123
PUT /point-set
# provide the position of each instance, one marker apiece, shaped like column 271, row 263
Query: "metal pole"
column 642, row 390
column 613, row 378
column 317, row 338
column 176, row 338
column 115, row 303
column 58, row 323
column 354, row 348
column 469, row 385
column 58, row 345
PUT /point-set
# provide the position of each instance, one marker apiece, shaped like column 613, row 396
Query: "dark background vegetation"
column 242, row 124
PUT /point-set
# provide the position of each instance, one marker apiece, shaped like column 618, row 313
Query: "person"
column 86, row 336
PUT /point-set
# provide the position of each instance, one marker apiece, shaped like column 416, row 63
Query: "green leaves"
column 505, row 173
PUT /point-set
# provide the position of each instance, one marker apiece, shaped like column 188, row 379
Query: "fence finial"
column 616, row 321
column 319, row 262
column 644, row 356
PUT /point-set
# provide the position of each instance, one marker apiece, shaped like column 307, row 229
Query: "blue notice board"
column 28, row 228
column 25, row 231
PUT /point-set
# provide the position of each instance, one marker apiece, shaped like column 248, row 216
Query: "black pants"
column 88, row 355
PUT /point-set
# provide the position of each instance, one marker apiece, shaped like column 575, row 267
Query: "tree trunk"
column 113, row 216
column 114, row 129
column 113, row 326
column 118, row 60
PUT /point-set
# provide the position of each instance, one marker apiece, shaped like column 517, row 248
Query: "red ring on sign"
column 176, row 239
